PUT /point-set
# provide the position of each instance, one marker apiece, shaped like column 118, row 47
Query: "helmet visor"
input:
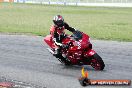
column 59, row 23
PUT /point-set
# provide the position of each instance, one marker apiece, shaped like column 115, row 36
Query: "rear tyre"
column 97, row 62
column 64, row 60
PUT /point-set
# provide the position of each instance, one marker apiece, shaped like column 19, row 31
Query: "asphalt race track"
column 25, row 58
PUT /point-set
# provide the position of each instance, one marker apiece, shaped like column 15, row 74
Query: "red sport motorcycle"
column 78, row 52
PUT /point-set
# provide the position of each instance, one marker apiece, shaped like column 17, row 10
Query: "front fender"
column 89, row 53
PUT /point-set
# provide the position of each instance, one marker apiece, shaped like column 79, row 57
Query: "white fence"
column 118, row 3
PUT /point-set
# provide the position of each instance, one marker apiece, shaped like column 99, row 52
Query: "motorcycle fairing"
column 90, row 52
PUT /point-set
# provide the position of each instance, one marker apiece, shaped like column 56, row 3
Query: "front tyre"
column 97, row 62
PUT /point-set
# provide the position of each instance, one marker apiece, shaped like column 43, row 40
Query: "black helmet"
column 58, row 21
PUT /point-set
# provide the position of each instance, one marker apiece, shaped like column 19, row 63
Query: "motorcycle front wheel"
column 97, row 62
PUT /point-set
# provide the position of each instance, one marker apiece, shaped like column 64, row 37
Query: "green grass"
column 99, row 22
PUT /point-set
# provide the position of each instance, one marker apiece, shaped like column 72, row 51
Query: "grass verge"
column 106, row 23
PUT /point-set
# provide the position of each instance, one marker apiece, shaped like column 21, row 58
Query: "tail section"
column 49, row 41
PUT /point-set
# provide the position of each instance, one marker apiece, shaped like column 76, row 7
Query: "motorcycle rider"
column 57, row 30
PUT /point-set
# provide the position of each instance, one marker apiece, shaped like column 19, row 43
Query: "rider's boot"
column 57, row 53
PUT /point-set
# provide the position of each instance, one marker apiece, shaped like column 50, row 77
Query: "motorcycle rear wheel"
column 64, row 61
column 97, row 62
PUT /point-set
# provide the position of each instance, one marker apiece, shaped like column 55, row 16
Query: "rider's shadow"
column 76, row 67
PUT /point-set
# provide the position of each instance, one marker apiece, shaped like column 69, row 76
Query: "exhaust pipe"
column 51, row 51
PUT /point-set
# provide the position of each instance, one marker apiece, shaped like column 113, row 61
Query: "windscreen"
column 77, row 35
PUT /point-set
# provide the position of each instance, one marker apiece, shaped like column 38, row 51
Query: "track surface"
column 25, row 58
